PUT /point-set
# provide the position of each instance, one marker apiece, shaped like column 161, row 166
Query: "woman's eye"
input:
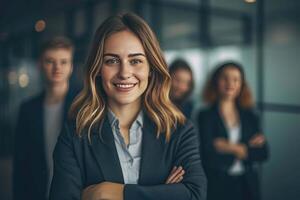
column 135, row 61
column 112, row 61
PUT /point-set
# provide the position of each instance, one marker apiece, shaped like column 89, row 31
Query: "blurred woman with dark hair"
column 231, row 136
column 182, row 86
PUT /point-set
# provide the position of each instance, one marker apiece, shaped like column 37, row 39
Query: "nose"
column 231, row 84
column 183, row 87
column 56, row 65
column 125, row 71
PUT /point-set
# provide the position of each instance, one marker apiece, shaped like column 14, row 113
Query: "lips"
column 229, row 89
column 57, row 73
column 124, row 86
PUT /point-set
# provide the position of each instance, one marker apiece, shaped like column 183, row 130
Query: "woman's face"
column 229, row 83
column 181, row 83
column 125, row 69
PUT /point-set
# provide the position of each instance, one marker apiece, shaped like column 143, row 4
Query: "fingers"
column 88, row 192
column 220, row 140
column 257, row 140
column 172, row 172
column 176, row 175
column 222, row 145
column 179, row 177
column 241, row 151
column 175, row 171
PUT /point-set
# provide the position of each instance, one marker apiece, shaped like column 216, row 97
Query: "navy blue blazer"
column 216, row 165
column 30, row 173
column 78, row 164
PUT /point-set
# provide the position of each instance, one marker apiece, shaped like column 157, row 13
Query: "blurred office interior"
column 263, row 35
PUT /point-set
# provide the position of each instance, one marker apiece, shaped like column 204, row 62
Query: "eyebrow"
column 130, row 55
column 136, row 54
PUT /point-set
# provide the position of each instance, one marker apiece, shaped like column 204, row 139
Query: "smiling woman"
column 125, row 71
column 233, row 142
column 125, row 139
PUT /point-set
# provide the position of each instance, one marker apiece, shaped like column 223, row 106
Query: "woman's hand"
column 103, row 191
column 114, row 191
column 176, row 175
column 257, row 141
column 223, row 146
column 240, row 151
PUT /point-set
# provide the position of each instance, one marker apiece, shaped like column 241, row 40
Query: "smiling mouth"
column 124, row 85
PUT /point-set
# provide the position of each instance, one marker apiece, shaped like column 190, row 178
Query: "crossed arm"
column 67, row 182
column 239, row 150
column 114, row 191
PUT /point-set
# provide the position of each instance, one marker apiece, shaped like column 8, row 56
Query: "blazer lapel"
column 105, row 152
column 38, row 111
column 243, row 124
column 152, row 153
column 220, row 126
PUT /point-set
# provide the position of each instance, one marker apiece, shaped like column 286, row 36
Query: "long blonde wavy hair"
column 89, row 107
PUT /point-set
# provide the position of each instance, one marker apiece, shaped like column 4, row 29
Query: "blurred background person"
column 182, row 86
column 231, row 136
column 40, row 121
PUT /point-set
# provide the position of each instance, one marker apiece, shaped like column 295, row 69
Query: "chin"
column 58, row 81
column 125, row 100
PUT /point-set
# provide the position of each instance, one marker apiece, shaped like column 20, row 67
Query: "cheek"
column 142, row 75
column 68, row 70
column 221, row 85
column 48, row 70
column 238, row 88
column 104, row 82
column 186, row 87
column 175, row 82
column 106, row 74
column 174, row 85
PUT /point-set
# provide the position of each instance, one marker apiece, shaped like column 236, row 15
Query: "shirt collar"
column 113, row 120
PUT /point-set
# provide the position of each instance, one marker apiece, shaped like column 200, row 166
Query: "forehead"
column 57, row 53
column 123, row 43
column 184, row 73
column 231, row 71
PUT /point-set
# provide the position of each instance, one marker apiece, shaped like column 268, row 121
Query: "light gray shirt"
column 129, row 155
column 53, row 116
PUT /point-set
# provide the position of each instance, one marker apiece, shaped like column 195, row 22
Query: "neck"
column 56, row 93
column 227, row 105
column 126, row 114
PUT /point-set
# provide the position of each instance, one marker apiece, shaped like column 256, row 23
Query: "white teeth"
column 124, row 85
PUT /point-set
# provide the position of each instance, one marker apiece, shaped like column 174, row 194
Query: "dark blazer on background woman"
column 79, row 163
column 30, row 171
column 216, row 165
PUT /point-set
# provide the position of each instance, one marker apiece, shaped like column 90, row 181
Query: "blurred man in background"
column 40, row 121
